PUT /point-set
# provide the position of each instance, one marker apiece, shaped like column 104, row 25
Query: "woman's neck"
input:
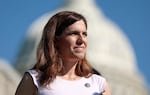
column 69, row 71
column 69, row 67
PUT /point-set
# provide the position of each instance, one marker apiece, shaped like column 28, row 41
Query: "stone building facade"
column 9, row 78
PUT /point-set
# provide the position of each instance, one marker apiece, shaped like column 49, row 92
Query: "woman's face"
column 72, row 42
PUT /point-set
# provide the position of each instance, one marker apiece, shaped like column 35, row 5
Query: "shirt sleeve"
column 35, row 76
column 102, row 83
column 26, row 86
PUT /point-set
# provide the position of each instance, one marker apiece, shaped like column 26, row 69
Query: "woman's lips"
column 79, row 49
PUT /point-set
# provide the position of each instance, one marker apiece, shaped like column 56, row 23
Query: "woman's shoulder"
column 33, row 72
column 98, row 78
column 35, row 75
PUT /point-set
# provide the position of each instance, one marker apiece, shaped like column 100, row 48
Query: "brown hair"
column 49, row 61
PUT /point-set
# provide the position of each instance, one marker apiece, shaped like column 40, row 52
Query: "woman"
column 61, row 67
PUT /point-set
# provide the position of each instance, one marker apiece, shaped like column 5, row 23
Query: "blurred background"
column 133, row 17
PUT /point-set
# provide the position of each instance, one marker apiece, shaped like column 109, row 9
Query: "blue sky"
column 133, row 16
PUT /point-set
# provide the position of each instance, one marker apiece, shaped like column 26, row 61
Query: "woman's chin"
column 80, row 56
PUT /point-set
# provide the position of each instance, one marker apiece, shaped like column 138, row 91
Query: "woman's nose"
column 80, row 40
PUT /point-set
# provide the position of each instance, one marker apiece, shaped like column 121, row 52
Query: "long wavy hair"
column 49, row 61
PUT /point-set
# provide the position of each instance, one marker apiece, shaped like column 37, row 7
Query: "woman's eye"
column 77, row 33
column 85, row 33
column 73, row 33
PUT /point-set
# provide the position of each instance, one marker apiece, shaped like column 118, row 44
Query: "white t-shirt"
column 93, row 85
